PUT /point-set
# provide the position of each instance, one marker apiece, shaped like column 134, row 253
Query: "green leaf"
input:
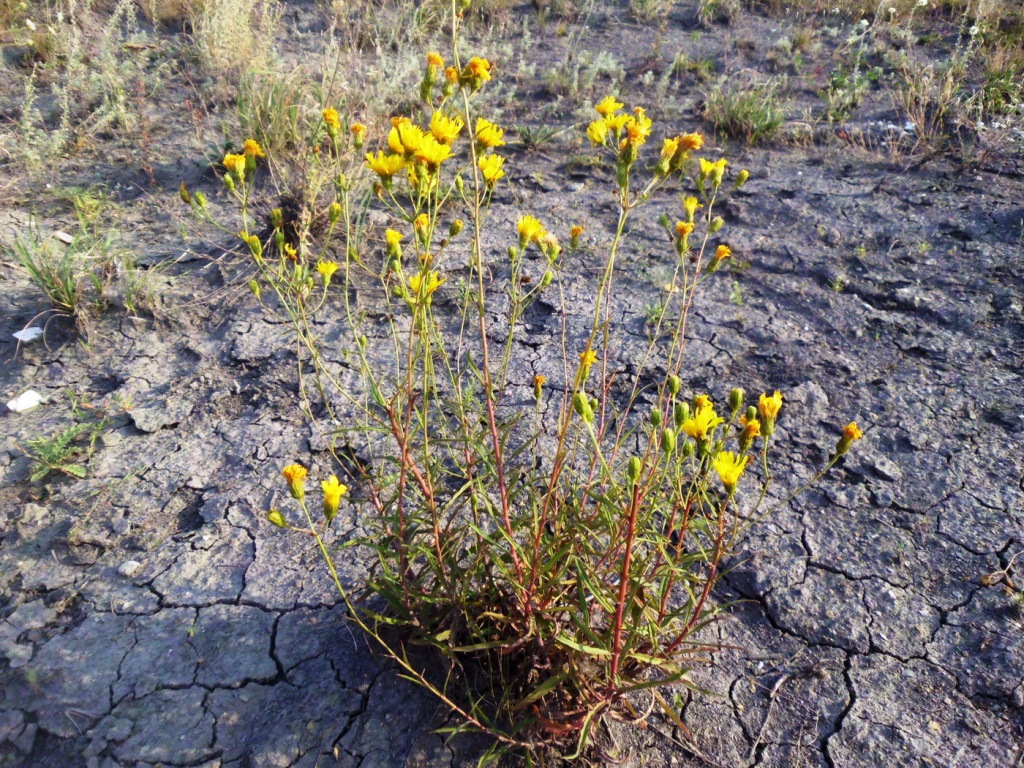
column 542, row 690
column 592, row 650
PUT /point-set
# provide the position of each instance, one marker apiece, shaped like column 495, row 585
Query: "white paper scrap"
column 25, row 401
column 28, row 334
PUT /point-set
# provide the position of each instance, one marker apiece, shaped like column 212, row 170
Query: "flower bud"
column 851, row 433
column 736, row 399
column 229, row 182
column 655, row 418
column 680, row 413
column 741, row 178
column 716, row 224
column 277, row 518
column 668, row 440
column 184, row 195
column 255, row 288
column 513, row 254
column 574, row 236
column 687, row 450
column 361, row 341
column 277, row 218
column 674, row 383
column 200, row 199
column 633, row 469
column 279, row 239
column 751, row 413
column 459, row 184
column 456, row 227
column 581, row 405
column 545, row 281
column 255, row 246
column 295, row 475
column 334, row 212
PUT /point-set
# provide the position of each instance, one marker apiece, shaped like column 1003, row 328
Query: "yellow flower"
column 539, row 381
column 394, row 239
column 714, row 170
column 404, row 138
column 729, row 467
column 477, row 71
column 488, row 134
column 769, row 406
column 434, row 60
column 702, row 401
column 383, row 165
column 691, row 142
column 434, row 281
column 690, row 205
column 530, row 230
column 642, row 122
column 587, row 358
column 332, row 120
column 608, row 106
column 452, row 74
column 290, row 252
column 445, row 129
column 236, row 165
column 252, row 149
column 702, row 422
column 616, row 123
column 421, row 224
column 669, row 149
column 683, row 229
column 295, row 475
column 333, row 491
column 432, row 153
column 852, row 432
column 327, row 270
column 722, row 252
column 575, row 232
column 490, row 167
column 597, row 132
column 358, row 132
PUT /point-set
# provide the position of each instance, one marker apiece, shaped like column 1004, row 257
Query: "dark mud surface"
column 152, row 616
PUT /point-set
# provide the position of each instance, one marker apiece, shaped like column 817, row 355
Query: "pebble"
column 130, row 568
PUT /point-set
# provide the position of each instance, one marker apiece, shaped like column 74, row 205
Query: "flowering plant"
column 572, row 558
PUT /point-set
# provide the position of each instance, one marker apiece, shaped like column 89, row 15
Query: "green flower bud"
column 334, row 212
column 687, row 450
column 545, row 281
column 633, row 469
column 277, row 218
column 229, row 182
column 741, row 178
column 277, row 518
column 459, row 184
column 255, row 288
column 361, row 341
column 184, row 195
column 674, row 383
column 716, row 224
column 513, row 254
column 668, row 440
column 255, row 246
column 736, row 399
column 456, row 227
column 200, row 199
column 279, row 239
column 581, row 405
column 751, row 412
column 655, row 418
column 680, row 413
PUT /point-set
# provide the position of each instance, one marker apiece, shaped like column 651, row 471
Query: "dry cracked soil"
column 150, row 615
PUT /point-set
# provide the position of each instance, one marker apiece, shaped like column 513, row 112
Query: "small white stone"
column 130, row 568
column 28, row 334
column 64, row 237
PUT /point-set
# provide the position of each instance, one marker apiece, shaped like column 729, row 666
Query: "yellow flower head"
column 432, row 153
column 642, row 123
column 295, row 475
column 434, row 60
column 690, row 205
column 575, row 232
column 539, row 381
column 702, row 401
column 252, row 149
column 587, row 358
column 769, row 406
column 477, row 71
column 751, row 427
column 608, row 106
column 669, row 149
column 327, row 270
column 729, row 467
column 235, row 165
column 434, row 281
column 702, row 422
column 445, row 129
column 332, row 119
column 597, row 132
column 683, row 229
column 722, row 252
column 358, row 132
column 615, row 123
column 852, row 432
column 421, row 223
column 530, row 230
column 394, row 239
column 490, row 167
column 383, row 165
column 691, row 142
column 333, row 491
column 404, row 138
column 488, row 134
column 713, row 171
column 451, row 74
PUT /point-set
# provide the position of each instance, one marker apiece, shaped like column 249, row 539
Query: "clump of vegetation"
column 67, row 451
column 561, row 558
column 753, row 112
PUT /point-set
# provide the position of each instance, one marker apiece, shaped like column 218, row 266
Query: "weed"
column 649, row 11
column 67, row 451
column 717, row 11
column 737, row 295
column 753, row 112
column 234, row 36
